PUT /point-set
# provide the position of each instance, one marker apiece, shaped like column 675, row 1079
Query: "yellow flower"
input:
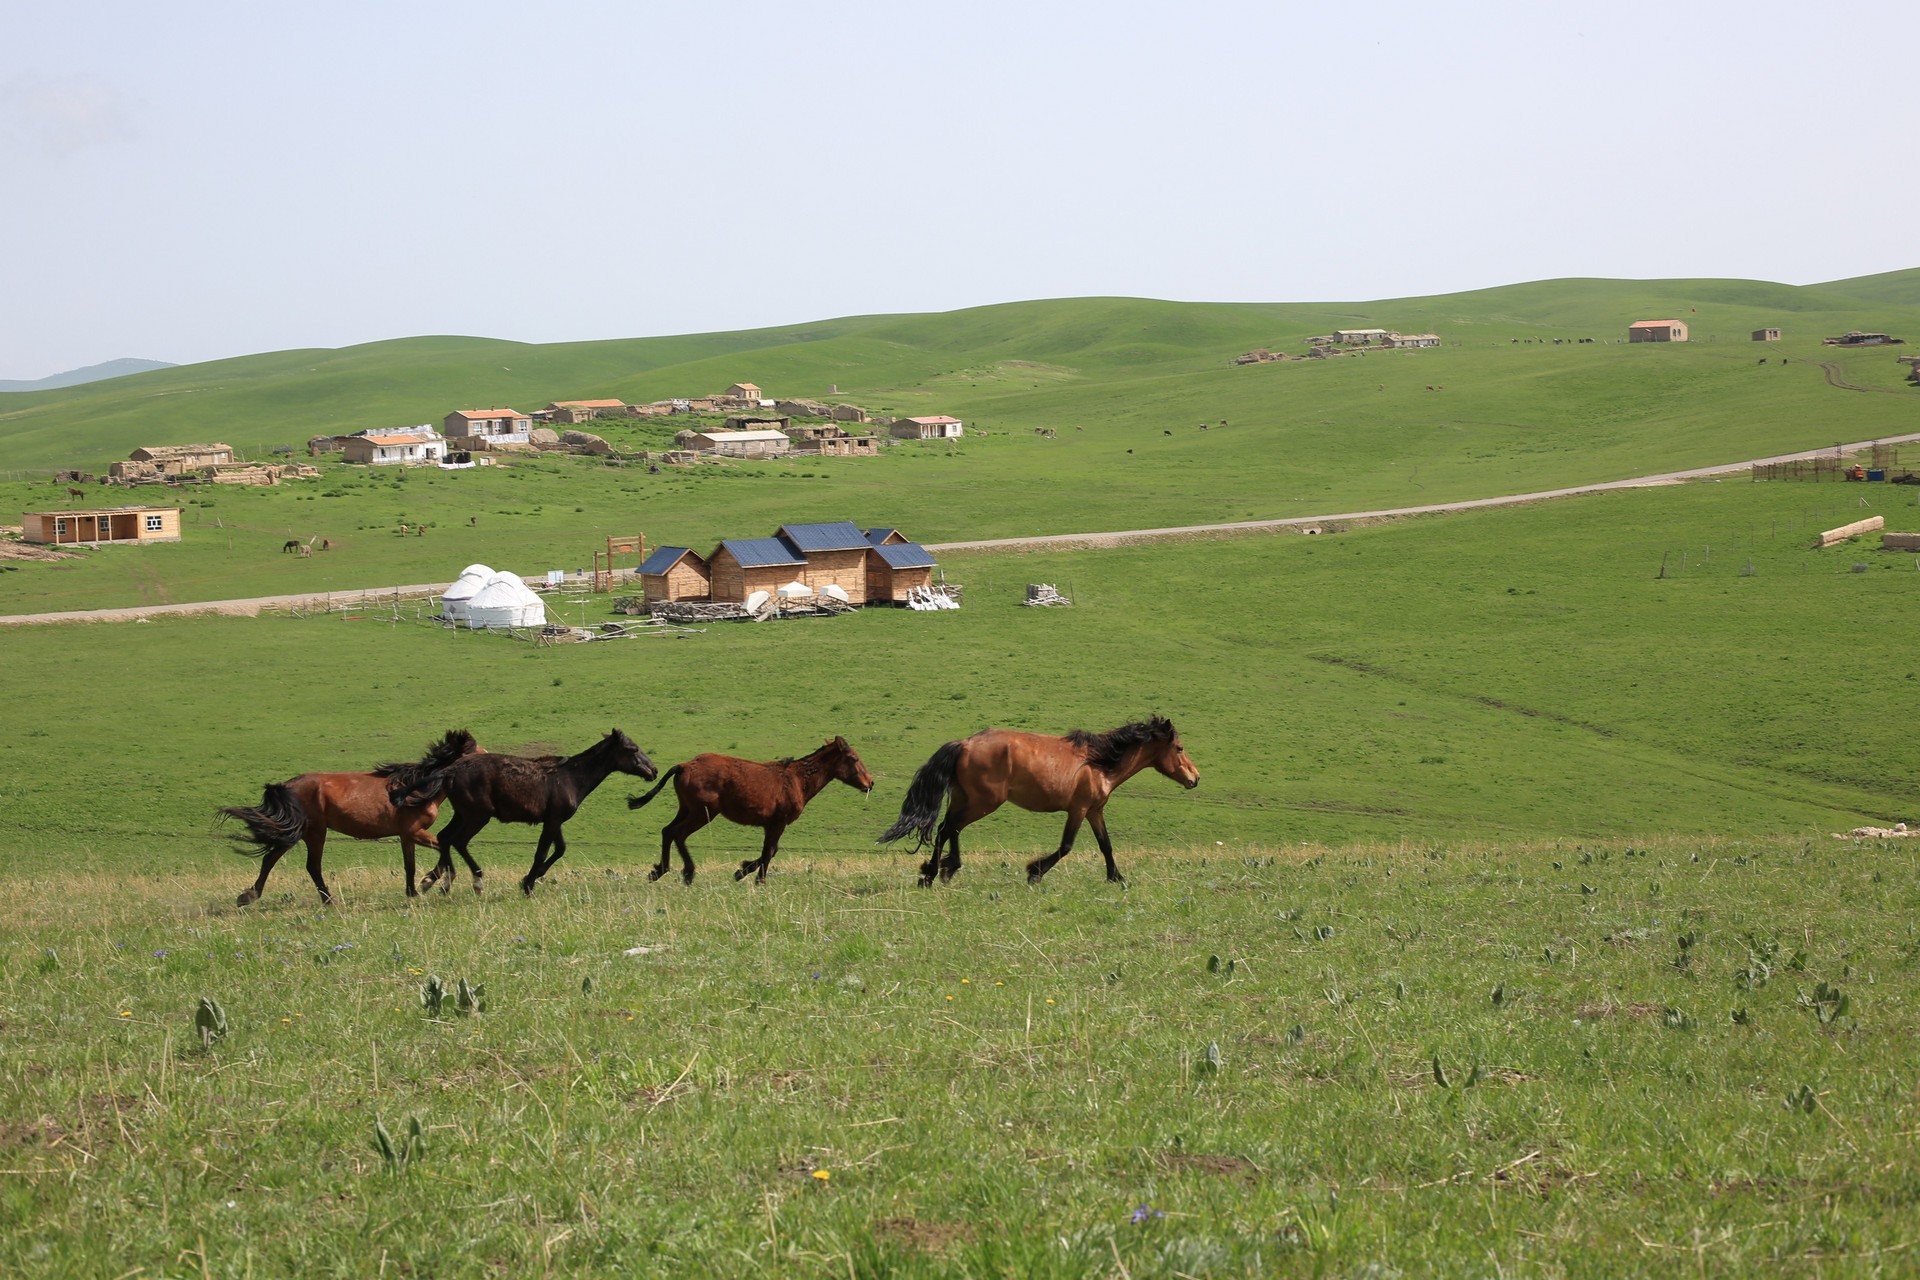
column 822, row 1174
column 949, row 997
column 1049, row 1002
column 999, row 984
column 126, row 1013
column 969, row 981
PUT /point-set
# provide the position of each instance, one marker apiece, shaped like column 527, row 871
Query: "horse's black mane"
column 1104, row 750
column 456, row 743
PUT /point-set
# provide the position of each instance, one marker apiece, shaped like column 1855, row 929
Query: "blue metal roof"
column 663, row 559
column 836, row 535
column 878, row 536
column 905, row 555
column 760, row 553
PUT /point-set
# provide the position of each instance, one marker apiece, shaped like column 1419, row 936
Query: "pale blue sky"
column 208, row 178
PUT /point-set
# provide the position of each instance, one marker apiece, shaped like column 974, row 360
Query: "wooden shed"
column 835, row 554
column 739, row 567
column 884, row 537
column 894, row 568
column 1766, row 335
column 676, row 573
column 1657, row 331
column 103, row 524
column 173, row 459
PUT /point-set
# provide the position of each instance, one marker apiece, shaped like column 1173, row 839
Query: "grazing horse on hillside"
column 771, row 796
column 539, row 789
column 354, row 804
column 1041, row 774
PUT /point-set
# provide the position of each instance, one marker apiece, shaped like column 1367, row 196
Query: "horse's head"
column 1171, row 758
column 628, row 757
column 848, row 767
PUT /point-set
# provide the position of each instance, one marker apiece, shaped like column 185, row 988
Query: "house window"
column 59, row 528
column 154, row 524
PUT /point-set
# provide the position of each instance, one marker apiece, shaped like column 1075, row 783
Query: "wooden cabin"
column 884, row 537
column 893, row 568
column 741, row 566
column 103, row 524
column 676, row 573
column 835, row 553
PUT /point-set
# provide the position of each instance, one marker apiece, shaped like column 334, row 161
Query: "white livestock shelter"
column 453, row 604
column 506, row 601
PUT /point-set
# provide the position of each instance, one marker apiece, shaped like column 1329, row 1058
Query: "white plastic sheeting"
column 453, row 604
column 795, row 591
column 506, row 601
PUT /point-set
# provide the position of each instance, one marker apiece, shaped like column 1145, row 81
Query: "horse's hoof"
column 247, row 899
column 686, row 877
column 1033, row 877
column 655, row 874
column 1119, row 880
column 741, row 874
column 926, row 882
column 526, row 887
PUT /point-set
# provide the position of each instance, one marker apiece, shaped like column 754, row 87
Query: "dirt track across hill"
column 1050, row 542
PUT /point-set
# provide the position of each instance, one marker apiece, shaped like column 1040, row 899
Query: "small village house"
column 1858, row 339
column 1408, row 341
column 573, row 412
column 489, row 426
column 400, row 448
column 1657, row 331
column 808, row 431
column 741, row 566
column 1766, row 335
column 848, row 413
column 675, row 573
column 938, row 427
column 835, row 554
column 1359, row 335
column 838, row 445
column 758, row 422
column 175, row 459
column 740, row 444
column 317, row 445
column 102, row 524
column 743, row 391
column 895, row 566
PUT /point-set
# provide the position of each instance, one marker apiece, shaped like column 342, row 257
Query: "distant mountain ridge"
column 90, row 373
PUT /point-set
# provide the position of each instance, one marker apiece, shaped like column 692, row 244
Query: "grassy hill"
column 1124, row 385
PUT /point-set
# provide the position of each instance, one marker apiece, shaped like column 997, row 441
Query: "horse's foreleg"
column 769, row 846
column 551, row 837
column 454, row 838
column 316, row 848
column 1040, row 866
column 406, row 861
column 1097, row 819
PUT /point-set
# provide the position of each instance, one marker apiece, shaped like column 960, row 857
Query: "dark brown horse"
column 354, row 804
column 540, row 789
column 1041, row 774
column 771, row 796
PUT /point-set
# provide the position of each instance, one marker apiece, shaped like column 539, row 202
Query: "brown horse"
column 1041, row 774
column 354, row 804
column 771, row 796
column 539, row 789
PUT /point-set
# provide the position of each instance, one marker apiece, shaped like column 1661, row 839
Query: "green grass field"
column 1480, row 788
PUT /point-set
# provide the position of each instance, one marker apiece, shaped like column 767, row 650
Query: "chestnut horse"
column 354, row 804
column 539, row 789
column 1041, row 774
column 771, row 796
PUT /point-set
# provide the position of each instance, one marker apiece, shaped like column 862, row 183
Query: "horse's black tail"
column 634, row 802
column 921, row 809
column 415, row 782
column 276, row 825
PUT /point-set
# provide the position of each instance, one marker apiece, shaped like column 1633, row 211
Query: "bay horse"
column 308, row 806
column 535, row 789
column 1040, row 773
column 771, row 796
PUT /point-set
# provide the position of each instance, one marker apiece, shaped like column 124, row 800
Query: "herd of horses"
column 1074, row 774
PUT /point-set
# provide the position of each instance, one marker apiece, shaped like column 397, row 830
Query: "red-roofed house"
column 938, row 427
column 398, row 448
column 498, row 426
column 1657, row 331
column 576, row 411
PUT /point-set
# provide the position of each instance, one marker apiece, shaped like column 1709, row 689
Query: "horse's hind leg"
column 1097, row 819
column 267, row 860
column 950, row 865
column 454, row 838
column 674, row 835
column 1040, row 866
column 768, row 847
column 550, row 838
column 316, row 848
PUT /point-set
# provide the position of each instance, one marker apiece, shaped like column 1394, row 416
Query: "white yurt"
column 453, row 604
column 506, row 601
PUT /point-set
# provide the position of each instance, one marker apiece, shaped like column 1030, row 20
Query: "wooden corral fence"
column 1884, row 458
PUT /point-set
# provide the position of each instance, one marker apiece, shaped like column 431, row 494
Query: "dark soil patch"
column 927, row 1237
column 1219, row 1166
